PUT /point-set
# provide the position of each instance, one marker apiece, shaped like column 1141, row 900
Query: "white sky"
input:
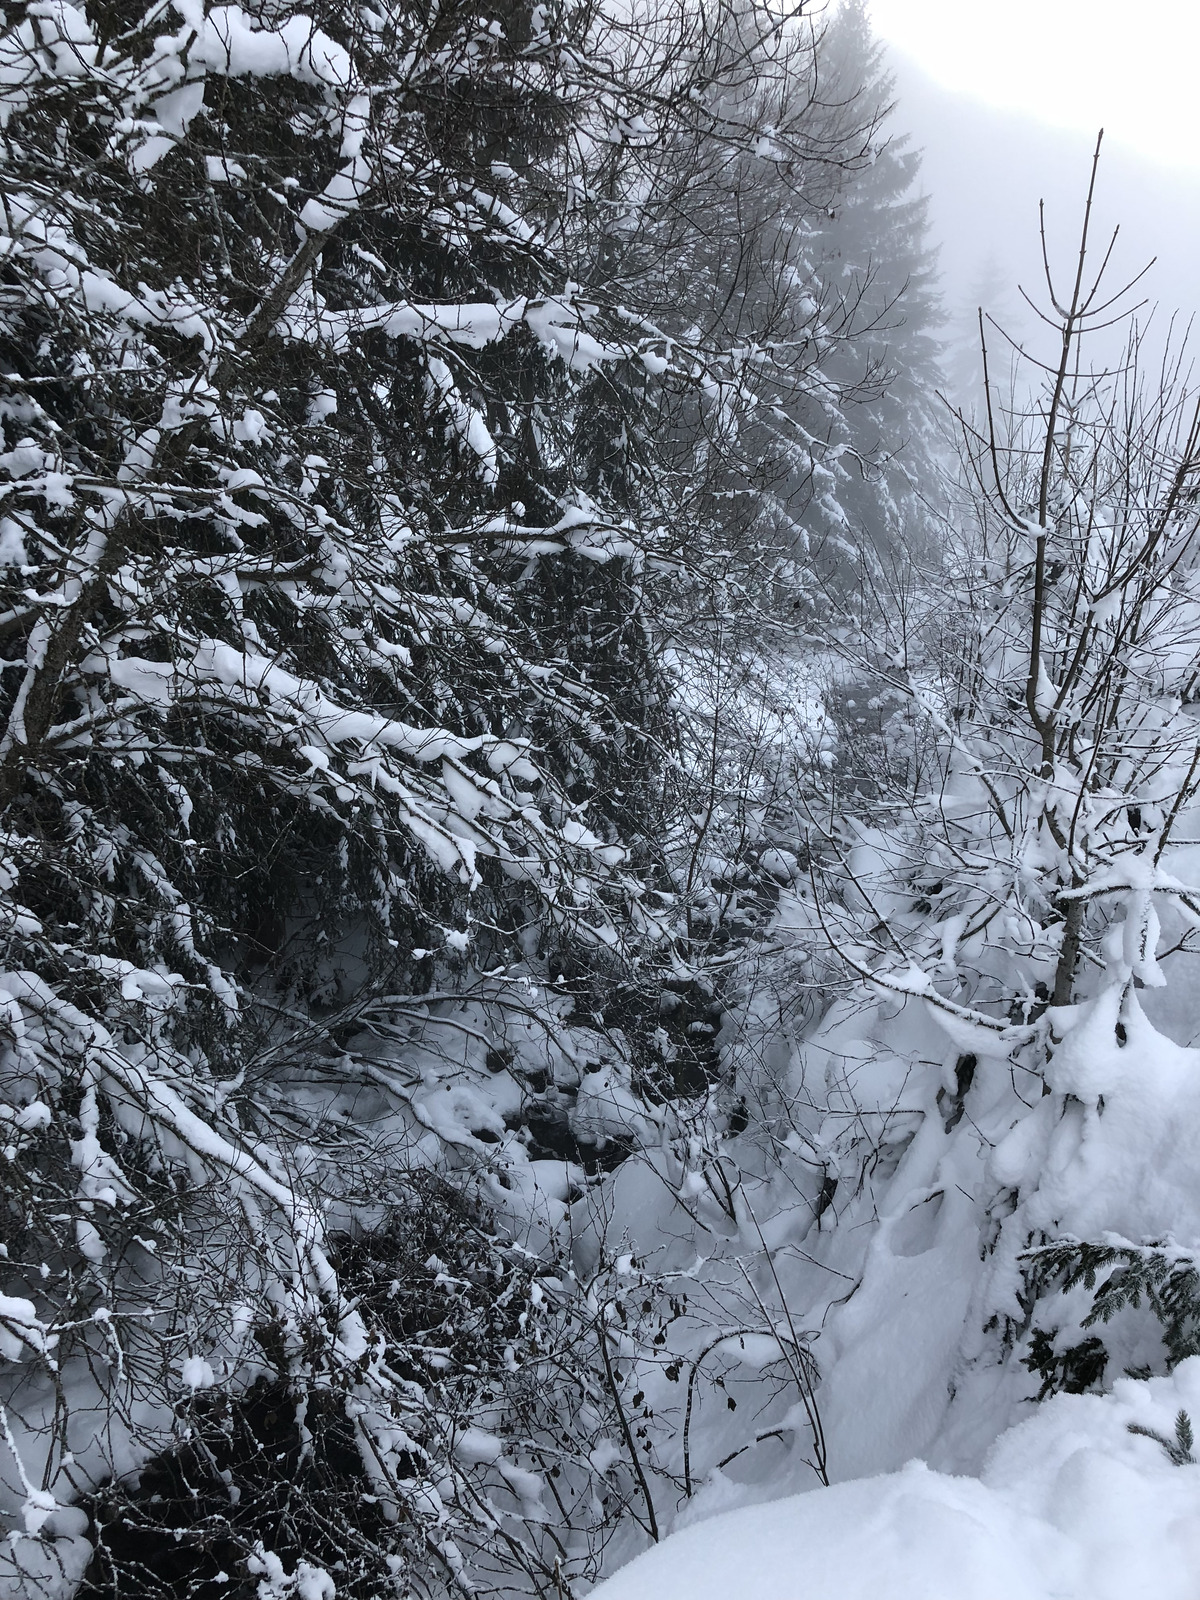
column 1083, row 64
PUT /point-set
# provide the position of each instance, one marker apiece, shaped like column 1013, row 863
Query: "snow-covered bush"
column 998, row 1102
column 949, row 1170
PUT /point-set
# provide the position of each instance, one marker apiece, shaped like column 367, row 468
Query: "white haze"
column 985, row 170
column 1070, row 63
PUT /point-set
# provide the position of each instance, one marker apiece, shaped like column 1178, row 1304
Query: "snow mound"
column 1072, row 1505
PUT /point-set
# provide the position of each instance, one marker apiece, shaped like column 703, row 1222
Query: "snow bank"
column 1072, row 1505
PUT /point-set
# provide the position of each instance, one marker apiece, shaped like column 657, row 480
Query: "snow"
column 753, row 1350
column 307, row 1582
column 443, row 820
column 781, row 864
column 20, row 1330
column 1071, row 1506
column 223, row 169
column 837, row 1216
column 465, row 422
column 558, row 322
column 1114, row 1161
column 196, row 1373
column 51, row 1565
column 606, row 1107
column 228, row 40
column 475, row 1447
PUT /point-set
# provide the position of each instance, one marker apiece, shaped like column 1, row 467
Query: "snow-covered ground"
column 1072, row 1505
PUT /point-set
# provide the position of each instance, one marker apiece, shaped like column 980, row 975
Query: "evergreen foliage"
column 1178, row 1449
column 390, row 402
column 1162, row 1276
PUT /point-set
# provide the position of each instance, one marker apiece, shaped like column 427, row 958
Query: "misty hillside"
column 985, row 170
column 597, row 890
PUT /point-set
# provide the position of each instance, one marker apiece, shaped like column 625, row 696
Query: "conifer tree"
column 302, row 711
column 376, row 399
column 877, row 267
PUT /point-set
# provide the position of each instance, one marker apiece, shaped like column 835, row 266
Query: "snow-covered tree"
column 747, row 241
column 330, row 680
column 991, row 294
column 409, row 418
column 947, row 1169
column 877, row 261
column 993, row 1096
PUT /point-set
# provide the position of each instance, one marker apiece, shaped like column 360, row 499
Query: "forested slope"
column 551, row 840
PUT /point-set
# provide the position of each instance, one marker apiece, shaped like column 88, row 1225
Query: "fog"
column 985, row 170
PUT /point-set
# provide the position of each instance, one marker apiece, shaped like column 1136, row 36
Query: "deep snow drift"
column 1072, row 1505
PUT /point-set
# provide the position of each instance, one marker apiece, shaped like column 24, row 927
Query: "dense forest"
column 594, row 879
